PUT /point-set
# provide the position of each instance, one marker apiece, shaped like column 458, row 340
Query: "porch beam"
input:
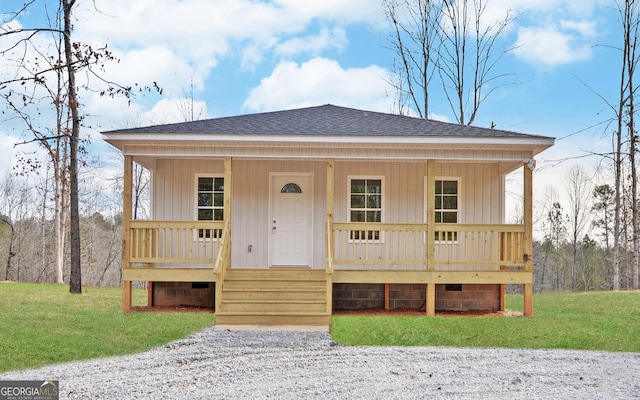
column 127, row 214
column 169, row 274
column 482, row 277
column 433, row 277
column 528, row 234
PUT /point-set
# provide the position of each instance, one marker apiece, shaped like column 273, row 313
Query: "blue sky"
column 250, row 56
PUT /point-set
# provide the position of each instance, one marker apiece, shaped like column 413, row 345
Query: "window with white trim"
column 446, row 207
column 366, row 204
column 209, row 202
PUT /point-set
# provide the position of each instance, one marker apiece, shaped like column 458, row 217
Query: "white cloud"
column 551, row 46
column 439, row 117
column 106, row 113
column 155, row 64
column 574, row 8
column 203, row 31
column 321, row 81
column 168, row 111
column 554, row 32
column 587, row 29
column 335, row 38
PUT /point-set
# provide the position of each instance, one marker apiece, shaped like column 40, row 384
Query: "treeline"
column 586, row 235
column 29, row 230
column 553, row 267
column 29, row 251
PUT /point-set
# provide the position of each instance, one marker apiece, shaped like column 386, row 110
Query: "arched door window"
column 291, row 188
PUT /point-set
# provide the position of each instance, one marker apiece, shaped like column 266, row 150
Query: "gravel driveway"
column 286, row 365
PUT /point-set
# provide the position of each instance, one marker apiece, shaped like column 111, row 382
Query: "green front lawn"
column 43, row 324
column 608, row 321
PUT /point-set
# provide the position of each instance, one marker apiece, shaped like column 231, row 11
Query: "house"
column 282, row 217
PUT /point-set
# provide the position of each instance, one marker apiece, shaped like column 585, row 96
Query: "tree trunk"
column 618, row 151
column 10, row 254
column 75, row 275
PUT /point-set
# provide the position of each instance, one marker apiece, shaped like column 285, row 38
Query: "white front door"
column 291, row 220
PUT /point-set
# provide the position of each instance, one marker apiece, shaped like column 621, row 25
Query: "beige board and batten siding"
column 251, row 225
column 174, row 199
column 174, row 196
column 480, row 192
column 480, row 189
column 174, row 191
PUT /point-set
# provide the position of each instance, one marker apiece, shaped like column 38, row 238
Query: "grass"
column 44, row 324
column 608, row 321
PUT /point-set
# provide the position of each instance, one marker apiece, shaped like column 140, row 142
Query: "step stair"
column 274, row 297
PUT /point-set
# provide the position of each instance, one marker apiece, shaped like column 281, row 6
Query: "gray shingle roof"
column 326, row 120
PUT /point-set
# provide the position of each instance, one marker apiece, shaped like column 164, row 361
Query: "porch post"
column 330, row 236
column 528, row 234
column 228, row 189
column 430, row 241
column 127, row 213
column 330, row 191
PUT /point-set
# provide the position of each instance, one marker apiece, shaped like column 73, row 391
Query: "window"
column 366, row 204
column 291, row 188
column 210, row 203
column 446, row 207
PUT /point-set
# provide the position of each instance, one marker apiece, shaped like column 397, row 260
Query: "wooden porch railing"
column 479, row 245
column 194, row 242
column 223, row 260
column 403, row 244
column 329, row 241
column 379, row 243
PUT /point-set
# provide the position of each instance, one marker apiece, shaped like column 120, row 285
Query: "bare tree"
column 456, row 40
column 629, row 12
column 14, row 208
column 604, row 206
column 632, row 24
column 12, row 237
column 52, row 137
column 579, row 188
column 71, row 57
column 415, row 41
column 187, row 105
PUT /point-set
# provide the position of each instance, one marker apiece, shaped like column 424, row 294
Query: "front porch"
column 426, row 253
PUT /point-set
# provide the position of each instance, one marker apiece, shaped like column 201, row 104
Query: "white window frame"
column 458, row 210
column 196, row 206
column 381, row 178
